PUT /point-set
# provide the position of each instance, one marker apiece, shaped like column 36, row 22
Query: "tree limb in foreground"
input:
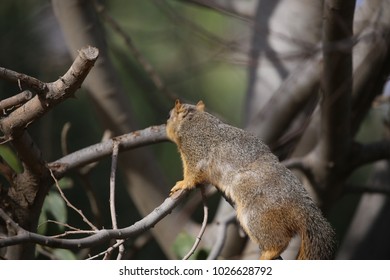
column 101, row 236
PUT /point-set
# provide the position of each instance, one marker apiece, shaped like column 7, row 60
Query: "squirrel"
column 271, row 204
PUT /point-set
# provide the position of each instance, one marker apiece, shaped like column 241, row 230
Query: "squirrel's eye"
column 189, row 116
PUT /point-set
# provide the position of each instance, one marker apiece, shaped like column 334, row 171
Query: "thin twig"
column 65, row 225
column 114, row 162
column 70, row 204
column 107, row 252
column 115, row 150
column 204, row 224
column 89, row 189
column 73, row 230
column 4, row 140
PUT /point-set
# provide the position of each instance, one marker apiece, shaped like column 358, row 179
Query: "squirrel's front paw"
column 180, row 185
column 177, row 187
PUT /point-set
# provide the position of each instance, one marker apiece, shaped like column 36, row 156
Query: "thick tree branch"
column 337, row 81
column 29, row 153
column 332, row 150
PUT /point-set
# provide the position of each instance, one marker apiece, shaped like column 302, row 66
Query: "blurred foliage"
column 193, row 63
column 54, row 220
column 10, row 158
column 54, row 208
column 183, row 245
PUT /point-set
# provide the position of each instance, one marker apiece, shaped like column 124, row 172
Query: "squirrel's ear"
column 200, row 106
column 177, row 104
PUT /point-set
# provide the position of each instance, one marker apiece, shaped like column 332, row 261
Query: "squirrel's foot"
column 180, row 185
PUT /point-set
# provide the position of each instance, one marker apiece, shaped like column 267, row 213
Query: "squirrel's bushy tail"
column 317, row 239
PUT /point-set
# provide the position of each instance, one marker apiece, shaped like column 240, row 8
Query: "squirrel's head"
column 179, row 113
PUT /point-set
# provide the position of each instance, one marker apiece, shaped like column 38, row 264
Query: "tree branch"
column 369, row 153
column 56, row 92
column 363, row 189
column 29, row 188
column 337, row 80
column 221, row 235
column 100, row 236
column 332, row 149
column 23, row 80
column 114, row 163
column 153, row 134
column 289, row 98
column 374, row 67
column 15, row 101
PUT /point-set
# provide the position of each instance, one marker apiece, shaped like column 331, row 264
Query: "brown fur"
column 272, row 205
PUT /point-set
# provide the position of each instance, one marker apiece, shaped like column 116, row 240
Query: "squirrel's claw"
column 177, row 187
column 180, row 185
column 172, row 192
